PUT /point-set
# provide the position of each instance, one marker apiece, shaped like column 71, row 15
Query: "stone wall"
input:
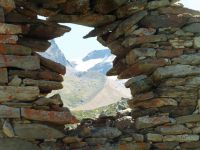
column 156, row 43
column 29, row 120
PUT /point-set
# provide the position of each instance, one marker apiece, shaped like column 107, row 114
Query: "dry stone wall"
column 29, row 120
column 156, row 43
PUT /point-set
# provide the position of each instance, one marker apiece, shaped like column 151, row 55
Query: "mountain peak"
column 55, row 54
column 98, row 54
column 96, row 61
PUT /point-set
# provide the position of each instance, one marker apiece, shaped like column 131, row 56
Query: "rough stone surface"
column 154, row 137
column 9, row 93
column 157, row 4
column 175, row 71
column 147, row 122
column 181, row 138
column 48, row 116
column 15, row 143
column 194, row 27
column 36, row 131
column 3, row 75
column 156, row 43
column 175, row 129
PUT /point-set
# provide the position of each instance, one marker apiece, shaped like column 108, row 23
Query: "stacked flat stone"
column 29, row 120
column 156, row 44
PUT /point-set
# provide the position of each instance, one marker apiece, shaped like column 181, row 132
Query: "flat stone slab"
column 48, row 116
column 181, row 138
column 10, row 29
column 91, row 20
column 175, row 71
column 9, row 49
column 9, row 112
column 9, row 93
column 36, row 131
column 147, row 122
column 16, row 144
column 189, row 118
column 21, row 62
column 175, row 129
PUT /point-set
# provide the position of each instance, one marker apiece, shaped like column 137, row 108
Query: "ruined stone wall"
column 29, row 120
column 156, row 43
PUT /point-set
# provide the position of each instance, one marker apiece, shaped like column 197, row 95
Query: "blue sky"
column 75, row 47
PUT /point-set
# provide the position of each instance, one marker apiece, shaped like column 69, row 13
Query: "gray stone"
column 36, row 131
column 126, row 139
column 196, row 130
column 137, row 85
column 138, row 137
column 126, row 25
column 32, row 62
column 188, row 119
column 144, row 31
column 16, row 144
column 91, row 20
column 193, row 81
column 8, row 129
column 9, row 93
column 164, row 21
column 192, row 59
column 53, row 100
column 175, row 71
column 9, row 112
column 49, row 146
column 194, row 27
column 158, row 3
column 16, row 81
column 133, row 56
column 147, row 122
column 155, row 103
column 135, row 80
column 132, row 41
column 107, row 132
column 154, row 137
column 181, row 138
column 197, row 42
column 179, row 43
column 175, row 129
column 183, row 92
column 96, row 141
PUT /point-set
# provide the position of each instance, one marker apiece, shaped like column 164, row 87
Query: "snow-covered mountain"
column 55, row 54
column 97, row 61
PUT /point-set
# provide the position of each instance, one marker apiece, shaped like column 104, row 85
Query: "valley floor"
column 109, row 94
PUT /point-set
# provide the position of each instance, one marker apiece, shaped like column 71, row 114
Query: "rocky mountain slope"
column 55, row 54
column 85, row 84
column 97, row 61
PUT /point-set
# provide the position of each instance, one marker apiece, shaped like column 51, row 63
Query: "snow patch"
column 84, row 66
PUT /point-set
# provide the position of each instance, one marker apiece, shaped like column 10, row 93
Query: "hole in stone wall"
column 87, row 90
